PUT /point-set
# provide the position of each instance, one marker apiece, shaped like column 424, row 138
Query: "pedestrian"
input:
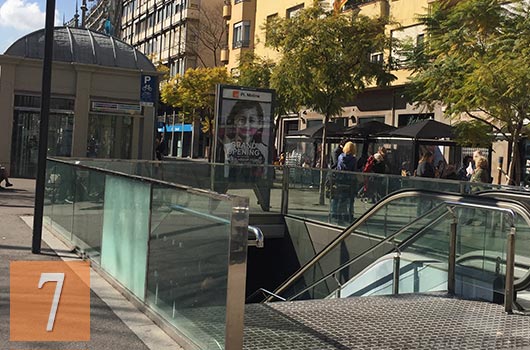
column 337, row 152
column 425, row 167
column 3, row 177
column 463, row 173
column 343, row 197
column 160, row 147
column 481, row 174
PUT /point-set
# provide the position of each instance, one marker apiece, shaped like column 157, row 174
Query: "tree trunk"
column 514, row 172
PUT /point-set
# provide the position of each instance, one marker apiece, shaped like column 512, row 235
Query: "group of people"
column 343, row 187
column 474, row 168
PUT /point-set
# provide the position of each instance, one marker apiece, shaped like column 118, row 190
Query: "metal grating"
column 387, row 322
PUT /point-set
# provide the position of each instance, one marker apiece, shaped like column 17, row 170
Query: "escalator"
column 415, row 226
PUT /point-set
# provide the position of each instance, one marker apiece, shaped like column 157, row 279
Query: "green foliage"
column 474, row 133
column 476, row 63
column 325, row 58
column 254, row 71
column 194, row 92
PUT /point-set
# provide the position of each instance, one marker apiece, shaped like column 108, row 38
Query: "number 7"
column 53, row 277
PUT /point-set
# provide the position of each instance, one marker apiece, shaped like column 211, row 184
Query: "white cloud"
column 23, row 15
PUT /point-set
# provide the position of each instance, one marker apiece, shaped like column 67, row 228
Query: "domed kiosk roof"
column 81, row 45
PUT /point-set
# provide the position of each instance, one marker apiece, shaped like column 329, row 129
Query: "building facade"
column 102, row 16
column 175, row 33
column 95, row 108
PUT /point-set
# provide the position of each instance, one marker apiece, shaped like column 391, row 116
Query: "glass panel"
column 60, row 189
column 188, row 255
column 125, row 232
column 480, row 259
column 387, row 220
column 109, row 136
column 88, row 212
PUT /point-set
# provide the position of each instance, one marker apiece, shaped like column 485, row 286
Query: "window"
column 268, row 25
column 293, row 11
column 241, row 34
column 376, row 58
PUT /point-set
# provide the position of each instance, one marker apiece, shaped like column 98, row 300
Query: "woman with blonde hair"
column 481, row 173
column 343, row 196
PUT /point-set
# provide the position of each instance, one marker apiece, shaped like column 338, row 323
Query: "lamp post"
column 43, row 130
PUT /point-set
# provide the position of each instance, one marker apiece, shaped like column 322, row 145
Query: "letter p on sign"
column 50, row 301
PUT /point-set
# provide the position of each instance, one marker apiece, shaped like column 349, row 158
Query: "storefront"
column 95, row 109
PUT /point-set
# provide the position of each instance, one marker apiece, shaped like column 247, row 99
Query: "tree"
column 326, row 60
column 476, row 63
column 210, row 33
column 254, row 71
column 194, row 94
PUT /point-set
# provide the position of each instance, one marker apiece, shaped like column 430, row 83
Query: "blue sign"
column 148, row 90
column 176, row 128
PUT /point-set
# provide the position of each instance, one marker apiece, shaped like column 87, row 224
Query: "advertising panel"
column 244, row 126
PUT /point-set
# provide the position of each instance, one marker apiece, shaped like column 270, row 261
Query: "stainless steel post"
column 510, row 262
column 237, row 272
column 451, row 270
column 395, row 279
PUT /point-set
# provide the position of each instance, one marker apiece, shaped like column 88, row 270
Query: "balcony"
column 224, row 55
column 227, row 11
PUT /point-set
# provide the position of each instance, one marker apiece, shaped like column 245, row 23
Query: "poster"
column 244, row 126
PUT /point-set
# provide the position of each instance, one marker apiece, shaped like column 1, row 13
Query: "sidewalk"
column 131, row 330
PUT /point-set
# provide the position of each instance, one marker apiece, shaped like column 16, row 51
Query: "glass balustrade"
column 179, row 250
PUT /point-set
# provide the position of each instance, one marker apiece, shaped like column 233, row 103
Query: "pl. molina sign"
column 148, row 90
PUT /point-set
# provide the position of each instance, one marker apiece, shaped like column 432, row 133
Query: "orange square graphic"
column 50, row 301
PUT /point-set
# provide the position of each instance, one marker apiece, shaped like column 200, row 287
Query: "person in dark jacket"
column 337, row 152
column 343, row 198
column 3, row 176
column 425, row 167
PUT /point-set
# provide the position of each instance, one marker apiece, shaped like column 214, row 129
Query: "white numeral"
column 53, row 277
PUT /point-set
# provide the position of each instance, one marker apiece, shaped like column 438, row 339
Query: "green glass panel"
column 125, row 232
column 88, row 212
column 188, row 263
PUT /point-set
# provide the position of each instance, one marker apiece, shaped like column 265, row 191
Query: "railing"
column 424, row 231
column 296, row 191
column 178, row 251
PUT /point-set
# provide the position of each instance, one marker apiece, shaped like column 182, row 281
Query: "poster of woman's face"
column 244, row 128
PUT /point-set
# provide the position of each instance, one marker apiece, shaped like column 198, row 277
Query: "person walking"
column 343, row 199
column 3, row 177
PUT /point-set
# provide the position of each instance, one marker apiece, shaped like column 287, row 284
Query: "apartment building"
column 102, row 16
column 246, row 22
column 169, row 31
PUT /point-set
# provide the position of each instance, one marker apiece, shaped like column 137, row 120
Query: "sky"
column 20, row 17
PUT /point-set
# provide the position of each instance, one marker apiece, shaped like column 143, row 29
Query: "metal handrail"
column 371, row 249
column 259, row 242
column 507, row 204
column 510, row 256
column 267, row 292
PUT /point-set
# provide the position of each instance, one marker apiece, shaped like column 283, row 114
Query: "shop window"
column 109, row 136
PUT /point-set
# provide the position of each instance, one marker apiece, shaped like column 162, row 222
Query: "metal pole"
column 395, row 280
column 182, row 138
column 173, row 135
column 510, row 261
column 43, row 132
column 451, row 270
column 285, row 190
